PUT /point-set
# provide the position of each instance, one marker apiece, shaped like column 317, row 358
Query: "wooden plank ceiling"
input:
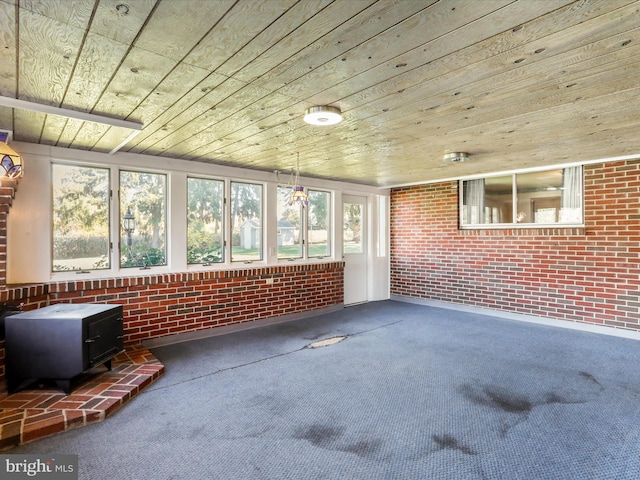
column 516, row 84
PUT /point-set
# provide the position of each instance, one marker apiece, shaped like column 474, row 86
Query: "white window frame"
column 223, row 214
column 110, row 238
column 514, row 222
column 229, row 234
column 30, row 257
column 122, row 212
column 330, row 223
column 304, row 228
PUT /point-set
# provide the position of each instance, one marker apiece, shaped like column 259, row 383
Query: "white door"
column 354, row 248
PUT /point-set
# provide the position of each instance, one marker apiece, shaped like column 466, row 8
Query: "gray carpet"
column 411, row 392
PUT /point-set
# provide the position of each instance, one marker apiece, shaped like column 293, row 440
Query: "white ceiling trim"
column 65, row 112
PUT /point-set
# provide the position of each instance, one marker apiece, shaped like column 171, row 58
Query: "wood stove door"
column 104, row 339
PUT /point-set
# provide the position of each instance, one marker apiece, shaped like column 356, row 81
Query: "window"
column 289, row 225
column 246, row 222
column 95, row 208
column 308, row 225
column 319, row 224
column 550, row 197
column 143, row 199
column 205, row 226
column 80, row 218
column 352, row 214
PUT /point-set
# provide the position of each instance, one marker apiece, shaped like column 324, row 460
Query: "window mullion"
column 514, row 202
column 304, row 222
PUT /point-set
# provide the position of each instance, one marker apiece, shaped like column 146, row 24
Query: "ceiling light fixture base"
column 323, row 115
column 456, row 157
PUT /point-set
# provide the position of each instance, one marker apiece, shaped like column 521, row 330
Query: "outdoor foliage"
column 289, row 225
column 80, row 217
column 204, row 220
column 246, row 206
column 352, row 221
column 317, row 221
column 79, row 246
column 144, row 195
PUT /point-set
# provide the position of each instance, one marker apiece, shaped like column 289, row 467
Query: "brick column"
column 7, row 193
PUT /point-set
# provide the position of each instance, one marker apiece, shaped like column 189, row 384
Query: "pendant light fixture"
column 11, row 165
column 298, row 195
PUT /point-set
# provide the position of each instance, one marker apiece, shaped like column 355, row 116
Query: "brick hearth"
column 28, row 415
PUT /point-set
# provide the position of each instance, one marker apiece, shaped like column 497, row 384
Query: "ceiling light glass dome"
column 323, row 115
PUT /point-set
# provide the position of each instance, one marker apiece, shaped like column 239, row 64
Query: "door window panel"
column 352, row 238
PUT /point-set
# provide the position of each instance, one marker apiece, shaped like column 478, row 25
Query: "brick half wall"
column 589, row 274
column 159, row 305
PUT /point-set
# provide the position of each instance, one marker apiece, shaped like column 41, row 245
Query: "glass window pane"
column 571, row 198
column 319, row 224
column 539, row 196
column 246, row 222
column 550, row 197
column 546, row 197
column 143, row 222
column 80, row 218
column 498, row 207
column 352, row 239
column 487, row 200
column 205, row 199
column 289, row 225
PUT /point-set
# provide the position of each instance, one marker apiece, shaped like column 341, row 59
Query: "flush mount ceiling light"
column 323, row 115
column 456, row 157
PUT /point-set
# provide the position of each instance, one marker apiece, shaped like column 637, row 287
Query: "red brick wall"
column 159, row 305
column 585, row 275
column 7, row 192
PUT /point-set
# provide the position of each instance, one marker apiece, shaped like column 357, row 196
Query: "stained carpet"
column 407, row 392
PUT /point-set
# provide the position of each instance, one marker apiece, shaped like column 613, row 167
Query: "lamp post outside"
column 129, row 226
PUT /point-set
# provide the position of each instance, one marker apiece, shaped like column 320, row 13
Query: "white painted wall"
column 29, row 221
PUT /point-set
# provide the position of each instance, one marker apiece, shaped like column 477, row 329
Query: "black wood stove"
column 60, row 342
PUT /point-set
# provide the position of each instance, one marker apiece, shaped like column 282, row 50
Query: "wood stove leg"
column 13, row 384
column 108, row 364
column 65, row 385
